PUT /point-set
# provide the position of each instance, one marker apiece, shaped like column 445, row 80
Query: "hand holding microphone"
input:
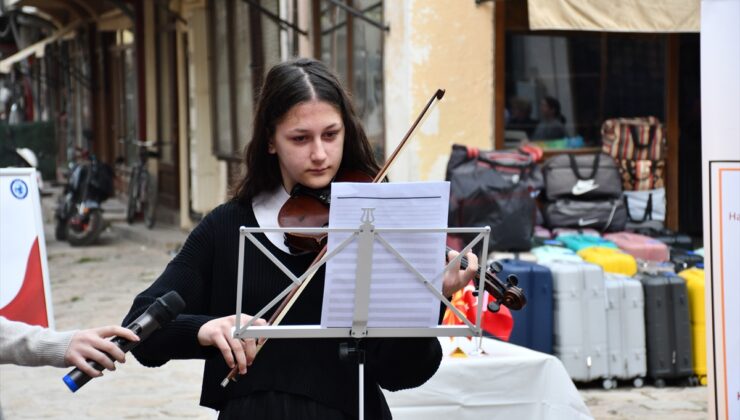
column 159, row 313
column 93, row 345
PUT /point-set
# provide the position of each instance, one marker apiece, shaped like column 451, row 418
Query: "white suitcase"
column 579, row 324
column 625, row 314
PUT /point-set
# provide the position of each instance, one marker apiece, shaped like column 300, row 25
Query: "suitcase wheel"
column 660, row 383
column 703, row 380
column 638, row 382
column 693, row 381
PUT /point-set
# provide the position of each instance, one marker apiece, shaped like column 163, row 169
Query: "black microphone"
column 157, row 315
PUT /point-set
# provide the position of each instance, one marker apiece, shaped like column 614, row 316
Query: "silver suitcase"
column 579, row 324
column 625, row 314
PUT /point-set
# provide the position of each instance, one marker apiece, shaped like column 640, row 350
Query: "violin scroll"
column 504, row 293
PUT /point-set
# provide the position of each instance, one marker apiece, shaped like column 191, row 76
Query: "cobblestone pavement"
column 94, row 286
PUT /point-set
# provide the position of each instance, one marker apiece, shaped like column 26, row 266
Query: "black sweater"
column 204, row 273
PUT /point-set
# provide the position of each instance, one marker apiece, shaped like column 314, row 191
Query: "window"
column 588, row 77
column 353, row 47
column 244, row 42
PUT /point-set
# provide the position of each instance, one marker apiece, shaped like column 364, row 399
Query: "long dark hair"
column 286, row 85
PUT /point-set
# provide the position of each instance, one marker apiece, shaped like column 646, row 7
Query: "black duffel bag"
column 582, row 177
column 494, row 189
column 604, row 215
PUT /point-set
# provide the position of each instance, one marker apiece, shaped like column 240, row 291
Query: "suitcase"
column 579, row 320
column 667, row 327
column 524, row 256
column 695, row 285
column 668, row 237
column 655, row 267
column 550, row 253
column 640, row 246
column 625, row 317
column 683, row 259
column 542, row 232
column 579, row 242
column 610, row 259
column 533, row 323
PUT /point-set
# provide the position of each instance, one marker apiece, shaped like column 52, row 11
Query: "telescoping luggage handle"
column 648, row 210
column 594, row 167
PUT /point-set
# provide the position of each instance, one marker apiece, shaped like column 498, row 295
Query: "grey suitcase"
column 582, row 177
column 579, row 319
column 625, row 317
column 668, row 328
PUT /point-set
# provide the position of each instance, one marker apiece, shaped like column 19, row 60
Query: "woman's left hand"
column 455, row 279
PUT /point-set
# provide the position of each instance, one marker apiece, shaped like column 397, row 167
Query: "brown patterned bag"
column 633, row 138
column 641, row 175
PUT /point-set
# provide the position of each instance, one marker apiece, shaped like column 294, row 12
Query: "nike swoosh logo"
column 582, row 187
column 586, row 222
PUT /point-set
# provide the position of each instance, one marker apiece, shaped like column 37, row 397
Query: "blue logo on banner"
column 19, row 189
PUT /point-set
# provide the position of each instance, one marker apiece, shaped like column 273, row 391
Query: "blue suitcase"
column 533, row 323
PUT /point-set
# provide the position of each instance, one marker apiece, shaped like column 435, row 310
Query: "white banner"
column 725, row 284
column 25, row 293
column 720, row 137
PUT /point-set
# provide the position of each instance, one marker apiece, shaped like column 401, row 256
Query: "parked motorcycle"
column 79, row 215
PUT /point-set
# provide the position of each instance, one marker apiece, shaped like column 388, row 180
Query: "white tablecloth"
column 508, row 382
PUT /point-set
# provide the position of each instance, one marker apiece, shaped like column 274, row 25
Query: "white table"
column 508, row 382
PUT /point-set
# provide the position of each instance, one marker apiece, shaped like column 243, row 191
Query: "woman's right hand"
column 219, row 333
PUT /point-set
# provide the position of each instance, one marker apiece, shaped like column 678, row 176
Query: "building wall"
column 437, row 44
column 207, row 174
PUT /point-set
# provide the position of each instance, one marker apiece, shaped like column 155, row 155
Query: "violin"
column 310, row 208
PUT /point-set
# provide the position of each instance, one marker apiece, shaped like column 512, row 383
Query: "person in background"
column 305, row 131
column 552, row 122
column 521, row 116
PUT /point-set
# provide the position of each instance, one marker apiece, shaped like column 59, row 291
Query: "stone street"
column 95, row 286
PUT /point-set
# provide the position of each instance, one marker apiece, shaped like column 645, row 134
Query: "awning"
column 615, row 15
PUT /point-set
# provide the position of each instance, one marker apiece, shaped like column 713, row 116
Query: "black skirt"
column 272, row 405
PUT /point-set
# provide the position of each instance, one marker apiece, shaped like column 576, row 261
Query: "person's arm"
column 31, row 345
column 189, row 274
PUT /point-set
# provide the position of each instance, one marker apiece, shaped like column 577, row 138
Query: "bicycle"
column 142, row 186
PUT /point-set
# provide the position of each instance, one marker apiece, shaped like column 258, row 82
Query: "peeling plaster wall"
column 437, row 44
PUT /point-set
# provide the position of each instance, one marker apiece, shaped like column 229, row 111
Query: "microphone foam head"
column 167, row 307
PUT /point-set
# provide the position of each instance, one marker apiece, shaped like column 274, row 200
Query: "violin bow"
column 292, row 296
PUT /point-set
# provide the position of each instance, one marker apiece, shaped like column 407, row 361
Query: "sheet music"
column 397, row 297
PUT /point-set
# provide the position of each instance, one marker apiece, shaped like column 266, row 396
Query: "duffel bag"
column 588, row 176
column 499, row 197
column 603, row 215
column 641, row 175
column 514, row 165
column 633, row 138
column 645, row 209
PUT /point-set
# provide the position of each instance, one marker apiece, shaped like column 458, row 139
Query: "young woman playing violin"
column 305, row 131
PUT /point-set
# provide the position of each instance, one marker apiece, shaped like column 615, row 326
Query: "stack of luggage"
column 600, row 278
column 583, row 191
column 638, row 146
